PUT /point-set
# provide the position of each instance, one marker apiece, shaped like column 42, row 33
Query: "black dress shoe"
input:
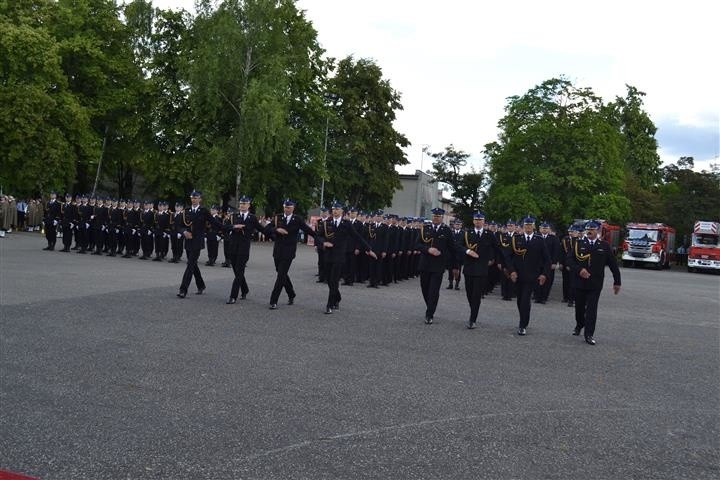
column 291, row 300
column 273, row 306
column 243, row 296
column 226, row 265
column 142, row 258
column 372, row 286
column 46, row 248
column 327, row 311
column 522, row 332
column 457, row 287
column 336, row 306
column 157, row 259
column 181, row 294
column 230, row 301
column 590, row 340
column 319, row 281
column 428, row 320
column 576, row 331
column 449, row 287
column 200, row 291
column 470, row 325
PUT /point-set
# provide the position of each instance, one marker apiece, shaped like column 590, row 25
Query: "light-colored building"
column 416, row 196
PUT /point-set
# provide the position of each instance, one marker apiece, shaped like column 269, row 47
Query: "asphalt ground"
column 106, row 374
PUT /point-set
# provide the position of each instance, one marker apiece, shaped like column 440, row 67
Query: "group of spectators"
column 20, row 214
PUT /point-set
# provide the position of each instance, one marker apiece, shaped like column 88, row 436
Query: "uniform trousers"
column 586, row 304
column 192, row 270
column 524, row 294
column 430, row 285
column 334, row 270
column 238, row 263
column 474, row 289
column 282, row 267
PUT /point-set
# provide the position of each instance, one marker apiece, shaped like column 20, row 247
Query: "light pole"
column 332, row 99
column 420, row 181
column 322, row 184
column 425, row 148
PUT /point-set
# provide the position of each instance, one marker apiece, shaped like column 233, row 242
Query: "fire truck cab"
column 704, row 253
column 609, row 233
column 648, row 244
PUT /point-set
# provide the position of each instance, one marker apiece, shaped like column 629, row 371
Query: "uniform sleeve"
column 612, row 263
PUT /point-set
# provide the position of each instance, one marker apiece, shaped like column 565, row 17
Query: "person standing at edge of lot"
column 435, row 244
column 528, row 262
column 542, row 292
column 480, row 252
column 51, row 220
column 194, row 223
column 240, row 229
column 69, row 213
column 285, row 228
column 334, row 241
column 587, row 263
column 455, row 261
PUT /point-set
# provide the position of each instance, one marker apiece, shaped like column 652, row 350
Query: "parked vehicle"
column 704, row 253
column 648, row 244
column 609, row 233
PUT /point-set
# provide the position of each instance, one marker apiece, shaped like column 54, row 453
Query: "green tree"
column 255, row 76
column 98, row 61
column 466, row 186
column 558, row 156
column 45, row 132
column 688, row 196
column 364, row 148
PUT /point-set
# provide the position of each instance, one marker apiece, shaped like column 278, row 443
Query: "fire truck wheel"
column 627, row 264
column 691, row 270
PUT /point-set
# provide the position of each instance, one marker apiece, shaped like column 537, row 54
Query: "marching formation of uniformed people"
column 353, row 246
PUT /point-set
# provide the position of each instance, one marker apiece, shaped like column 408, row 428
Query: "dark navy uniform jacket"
column 594, row 258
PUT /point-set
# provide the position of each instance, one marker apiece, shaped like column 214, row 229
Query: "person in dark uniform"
column 213, row 236
column 147, row 229
column 85, row 211
column 481, row 254
column 240, row 229
column 115, row 226
column 587, row 262
column 542, row 292
column 195, row 221
column 566, row 246
column 132, row 229
column 529, row 264
column 455, row 261
column 285, row 230
column 494, row 273
column 69, row 214
column 162, row 231
column 99, row 225
column 334, row 239
column 435, row 244
column 177, row 233
column 507, row 287
column 227, row 217
column 52, row 219
column 322, row 267
column 362, row 272
column 375, row 234
column 353, row 252
column 393, row 236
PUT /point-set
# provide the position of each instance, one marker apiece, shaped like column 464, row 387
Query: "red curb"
column 4, row 475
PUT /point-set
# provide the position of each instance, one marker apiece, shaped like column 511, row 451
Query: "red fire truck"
column 704, row 252
column 648, row 244
column 609, row 233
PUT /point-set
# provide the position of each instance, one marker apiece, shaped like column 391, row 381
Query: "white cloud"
column 456, row 61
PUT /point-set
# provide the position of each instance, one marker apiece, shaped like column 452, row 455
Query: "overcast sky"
column 455, row 62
